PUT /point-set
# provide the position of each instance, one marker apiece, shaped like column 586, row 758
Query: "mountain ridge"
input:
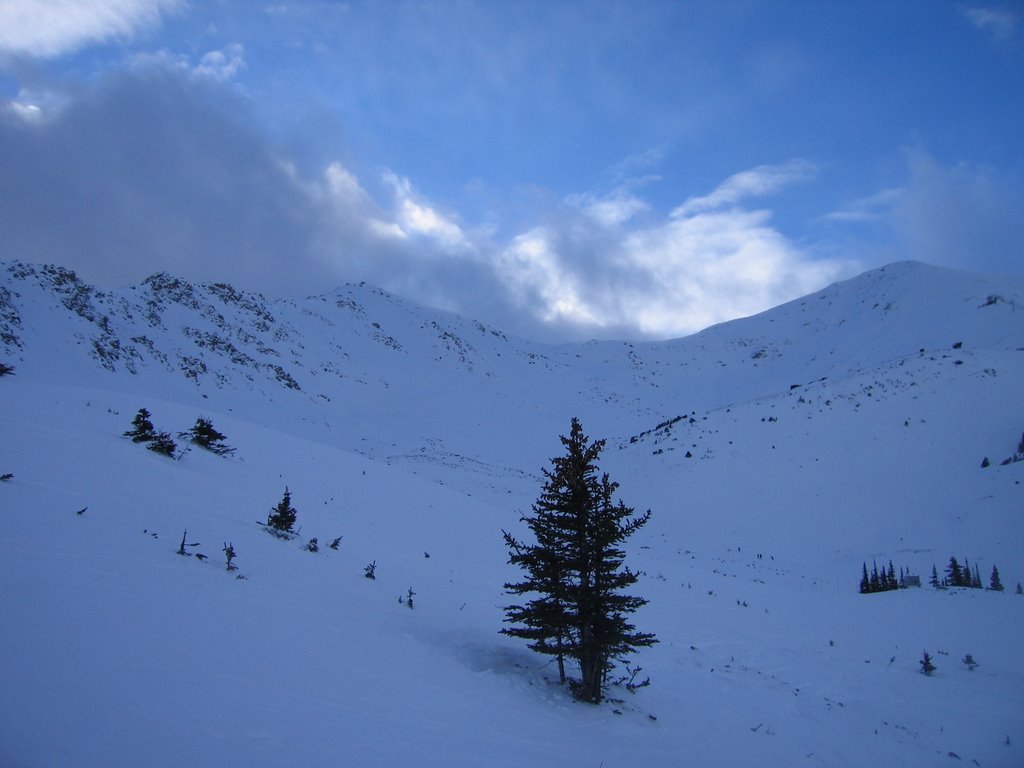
column 777, row 453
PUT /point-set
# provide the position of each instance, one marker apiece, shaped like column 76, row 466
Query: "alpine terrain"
column 148, row 618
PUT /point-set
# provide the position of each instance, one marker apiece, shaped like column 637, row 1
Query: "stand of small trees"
column 879, row 581
column 575, row 570
column 6, row 370
column 143, row 431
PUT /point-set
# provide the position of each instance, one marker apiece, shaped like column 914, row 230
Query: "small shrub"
column 312, row 546
column 970, row 662
column 370, row 571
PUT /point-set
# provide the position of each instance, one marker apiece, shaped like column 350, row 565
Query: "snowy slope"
column 411, row 432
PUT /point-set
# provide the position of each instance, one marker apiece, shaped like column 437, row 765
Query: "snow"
column 425, row 435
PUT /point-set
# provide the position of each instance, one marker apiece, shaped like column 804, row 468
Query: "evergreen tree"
column 205, row 435
column 875, row 583
column 865, row 583
column 142, row 430
column 283, row 516
column 970, row 662
column 1020, row 590
column 576, row 568
column 935, row 578
column 994, row 583
column 976, row 581
column 926, row 664
column 229, row 555
column 162, row 443
column 954, row 574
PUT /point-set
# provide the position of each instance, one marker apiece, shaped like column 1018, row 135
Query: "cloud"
column 669, row 278
column 1001, row 24
column 157, row 168
column 218, row 65
column 964, row 215
column 49, row 28
column 609, row 210
column 147, row 173
column 759, row 181
column 417, row 217
column 223, row 64
column 876, row 207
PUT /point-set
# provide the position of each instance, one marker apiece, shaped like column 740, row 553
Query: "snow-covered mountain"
column 777, row 454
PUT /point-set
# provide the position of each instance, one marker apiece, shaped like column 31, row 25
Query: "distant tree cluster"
column 1013, row 458
column 6, row 370
column 964, row 576
column 880, row 580
column 956, row 575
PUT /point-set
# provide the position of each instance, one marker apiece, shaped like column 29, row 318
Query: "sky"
column 560, row 170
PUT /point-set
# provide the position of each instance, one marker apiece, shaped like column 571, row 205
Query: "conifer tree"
column 205, row 435
column 954, row 574
column 576, row 569
column 935, row 577
column 865, row 583
column 283, row 516
column 994, row 583
column 926, row 664
column 163, row 444
column 142, row 430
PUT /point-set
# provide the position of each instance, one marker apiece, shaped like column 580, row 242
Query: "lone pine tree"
column 283, row 516
column 576, row 570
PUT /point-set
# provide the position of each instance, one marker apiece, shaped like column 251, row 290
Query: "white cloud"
column 759, row 181
column 49, row 28
column 715, row 266
column 874, row 207
column 609, row 210
column 667, row 277
column 415, row 216
column 220, row 65
column 539, row 279
column 223, row 64
column 30, row 113
column 999, row 23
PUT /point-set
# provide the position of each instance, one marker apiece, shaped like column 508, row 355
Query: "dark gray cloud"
column 150, row 172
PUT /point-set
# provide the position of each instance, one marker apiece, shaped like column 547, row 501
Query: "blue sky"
column 563, row 170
